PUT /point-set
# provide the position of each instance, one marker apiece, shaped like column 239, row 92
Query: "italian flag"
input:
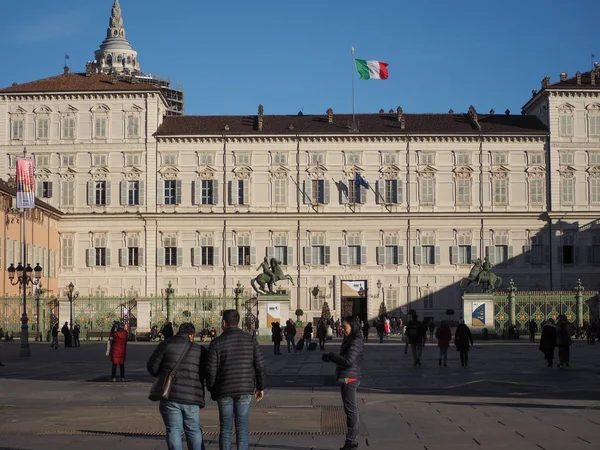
column 371, row 70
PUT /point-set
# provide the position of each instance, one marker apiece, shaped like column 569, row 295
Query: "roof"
column 571, row 83
column 78, row 82
column 367, row 124
column 11, row 190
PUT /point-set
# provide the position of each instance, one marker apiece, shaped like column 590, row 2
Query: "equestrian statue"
column 272, row 273
column 482, row 274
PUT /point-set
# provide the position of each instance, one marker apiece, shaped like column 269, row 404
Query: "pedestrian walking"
column 365, row 329
column 167, row 331
column 347, row 373
column 444, row 336
column 416, row 334
column 548, row 341
column 431, row 327
column 564, row 333
column 54, row 332
column 380, row 327
column 76, row 332
column 462, row 339
column 290, row 333
column 235, row 371
column 118, row 352
column 66, row 332
column 180, row 411
column 322, row 334
column 308, row 332
column 533, row 329
column 276, row 337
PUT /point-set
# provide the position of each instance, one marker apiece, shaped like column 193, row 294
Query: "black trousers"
column 76, row 341
column 464, row 358
column 351, row 410
column 276, row 347
column 564, row 354
column 322, row 344
column 121, row 369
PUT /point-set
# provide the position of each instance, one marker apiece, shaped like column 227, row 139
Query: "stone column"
column 579, row 303
column 512, row 307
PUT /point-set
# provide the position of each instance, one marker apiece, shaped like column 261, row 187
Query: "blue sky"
column 290, row 56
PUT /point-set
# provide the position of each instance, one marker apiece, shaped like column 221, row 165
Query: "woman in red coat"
column 118, row 352
column 444, row 336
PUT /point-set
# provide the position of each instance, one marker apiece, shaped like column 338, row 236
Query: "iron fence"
column 41, row 316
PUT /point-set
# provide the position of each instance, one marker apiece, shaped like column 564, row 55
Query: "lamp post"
column 71, row 296
column 238, row 290
column 37, row 292
column 169, row 291
column 24, row 278
column 379, row 290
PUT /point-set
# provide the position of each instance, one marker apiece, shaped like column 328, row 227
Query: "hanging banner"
column 25, row 184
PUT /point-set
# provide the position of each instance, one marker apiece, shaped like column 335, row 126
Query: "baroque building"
column 149, row 197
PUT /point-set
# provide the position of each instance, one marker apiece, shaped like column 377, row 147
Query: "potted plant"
column 299, row 313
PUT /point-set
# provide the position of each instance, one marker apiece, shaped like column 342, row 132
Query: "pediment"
column 206, row 169
column 99, row 171
column 567, row 169
column 593, row 107
column 69, row 109
column 165, row 170
column 42, row 110
column 134, row 108
column 427, row 170
column 133, row 170
column 463, row 170
column 535, row 169
column 19, row 110
column 593, row 169
column 279, row 169
column 69, row 171
column 100, row 109
column 566, row 107
column 42, row 171
column 390, row 168
column 317, row 168
column 500, row 169
column 238, row 170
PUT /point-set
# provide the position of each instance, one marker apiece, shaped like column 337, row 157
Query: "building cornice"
column 78, row 96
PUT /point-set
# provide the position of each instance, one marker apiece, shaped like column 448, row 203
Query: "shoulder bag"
column 161, row 388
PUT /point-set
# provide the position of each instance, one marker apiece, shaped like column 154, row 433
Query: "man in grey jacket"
column 235, row 371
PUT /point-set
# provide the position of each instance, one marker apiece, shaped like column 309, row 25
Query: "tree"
column 299, row 313
column 326, row 312
column 382, row 310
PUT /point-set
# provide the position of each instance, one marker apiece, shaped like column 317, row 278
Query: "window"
column 393, row 191
column 280, row 158
column 567, row 190
column 67, row 160
column 464, row 254
column 595, row 251
column 568, row 250
column 428, row 299
column 536, row 191
column 391, row 254
column 242, row 159
column 244, row 255
column 463, row 159
column 427, row 186
column 317, row 158
column 206, row 159
column 353, row 158
column 280, row 192
column 354, row 255
column 389, row 158
column 501, row 191
column 427, row 158
column 68, row 128
column 318, row 255
column 169, row 159
column 67, row 194
column 207, row 192
column 241, row 192
column 280, row 253
column 567, row 158
column 463, row 191
column 537, row 250
column 566, row 125
column 594, row 125
column 170, row 192
column 595, row 190
column 42, row 160
column 133, row 159
column 594, row 158
column 499, row 158
column 207, row 255
column 318, row 191
column 100, row 193
column 133, row 192
column 170, row 247
column 500, row 254
column 100, row 127
column 133, row 126
column 43, row 128
column 133, row 256
column 100, row 160
column 17, row 129
column 66, row 251
column 536, row 159
column 353, row 192
column 428, row 254
column 45, row 189
column 99, row 252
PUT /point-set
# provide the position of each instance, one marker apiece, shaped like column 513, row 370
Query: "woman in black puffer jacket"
column 347, row 374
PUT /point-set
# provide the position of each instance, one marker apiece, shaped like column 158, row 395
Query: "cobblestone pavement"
column 505, row 399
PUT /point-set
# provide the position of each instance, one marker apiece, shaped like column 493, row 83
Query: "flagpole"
column 353, row 70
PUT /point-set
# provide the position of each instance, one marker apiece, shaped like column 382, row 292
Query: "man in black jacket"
column 182, row 410
column 235, row 370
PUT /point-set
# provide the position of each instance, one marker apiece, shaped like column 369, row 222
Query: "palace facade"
column 149, row 197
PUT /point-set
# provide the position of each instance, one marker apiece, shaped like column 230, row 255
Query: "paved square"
column 505, row 399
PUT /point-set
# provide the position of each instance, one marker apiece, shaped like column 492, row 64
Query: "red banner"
column 25, row 184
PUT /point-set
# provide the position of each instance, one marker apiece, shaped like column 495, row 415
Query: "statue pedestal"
column 478, row 312
column 272, row 308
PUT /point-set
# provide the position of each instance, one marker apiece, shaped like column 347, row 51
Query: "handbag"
column 161, row 388
column 108, row 348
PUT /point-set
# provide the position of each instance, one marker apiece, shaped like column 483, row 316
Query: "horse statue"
column 482, row 274
column 272, row 273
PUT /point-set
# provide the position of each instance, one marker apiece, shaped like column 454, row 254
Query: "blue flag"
column 360, row 181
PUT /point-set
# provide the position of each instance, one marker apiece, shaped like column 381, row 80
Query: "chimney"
column 578, row 74
column 450, row 111
column 329, row 115
column 66, row 70
column 381, row 111
column 261, row 111
column 492, row 112
column 507, row 112
column 391, row 111
column 400, row 115
column 474, row 117
column 563, row 76
column 88, row 69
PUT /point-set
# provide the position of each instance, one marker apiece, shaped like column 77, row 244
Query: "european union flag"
column 360, row 181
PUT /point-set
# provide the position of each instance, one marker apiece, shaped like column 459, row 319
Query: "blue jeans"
column 228, row 407
column 180, row 417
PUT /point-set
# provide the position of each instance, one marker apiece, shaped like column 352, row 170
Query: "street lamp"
column 23, row 279
column 238, row 290
column 71, row 296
